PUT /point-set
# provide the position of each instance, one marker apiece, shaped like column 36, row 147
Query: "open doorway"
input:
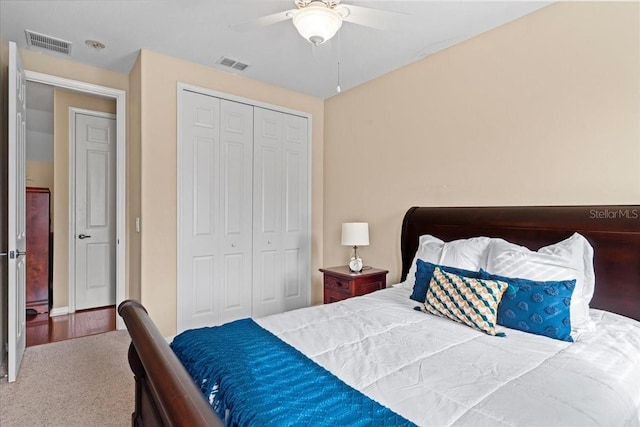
column 51, row 178
column 16, row 191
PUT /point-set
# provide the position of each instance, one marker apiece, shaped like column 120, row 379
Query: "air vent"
column 47, row 42
column 232, row 63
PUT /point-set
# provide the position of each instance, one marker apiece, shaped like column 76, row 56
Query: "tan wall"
column 133, row 181
column 544, row 110
column 62, row 101
column 39, row 174
column 160, row 75
column 47, row 64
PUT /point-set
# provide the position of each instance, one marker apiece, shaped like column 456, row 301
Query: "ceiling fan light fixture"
column 317, row 22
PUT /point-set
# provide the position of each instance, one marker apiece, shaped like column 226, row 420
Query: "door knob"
column 83, row 236
column 15, row 254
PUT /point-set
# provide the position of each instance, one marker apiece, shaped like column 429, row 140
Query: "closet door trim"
column 254, row 103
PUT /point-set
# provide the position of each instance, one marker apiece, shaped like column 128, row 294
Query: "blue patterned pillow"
column 424, row 273
column 540, row 308
column 473, row 302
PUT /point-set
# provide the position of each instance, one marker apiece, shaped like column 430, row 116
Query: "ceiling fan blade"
column 263, row 21
column 375, row 18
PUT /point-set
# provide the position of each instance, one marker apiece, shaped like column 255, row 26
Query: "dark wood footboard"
column 165, row 393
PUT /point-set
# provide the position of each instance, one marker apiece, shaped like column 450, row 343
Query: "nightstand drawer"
column 341, row 283
column 368, row 287
column 331, row 295
column 337, row 284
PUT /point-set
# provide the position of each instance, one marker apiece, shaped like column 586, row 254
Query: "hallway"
column 42, row 329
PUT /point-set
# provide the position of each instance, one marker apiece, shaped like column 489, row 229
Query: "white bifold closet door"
column 243, row 211
column 280, row 213
column 215, row 224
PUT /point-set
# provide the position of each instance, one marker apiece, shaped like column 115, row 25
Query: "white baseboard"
column 59, row 311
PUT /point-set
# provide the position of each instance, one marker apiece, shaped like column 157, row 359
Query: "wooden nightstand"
column 340, row 283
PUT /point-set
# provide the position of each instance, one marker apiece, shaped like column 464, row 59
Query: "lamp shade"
column 355, row 234
column 317, row 22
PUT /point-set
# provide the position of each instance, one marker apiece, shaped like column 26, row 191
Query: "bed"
column 431, row 370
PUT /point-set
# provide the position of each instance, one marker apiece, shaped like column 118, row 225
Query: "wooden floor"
column 42, row 329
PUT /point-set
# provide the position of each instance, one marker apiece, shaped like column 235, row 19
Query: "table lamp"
column 355, row 234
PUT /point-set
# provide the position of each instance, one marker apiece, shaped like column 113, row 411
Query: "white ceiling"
column 199, row 31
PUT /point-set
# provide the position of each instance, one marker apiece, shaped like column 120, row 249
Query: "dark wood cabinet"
column 38, row 250
column 341, row 283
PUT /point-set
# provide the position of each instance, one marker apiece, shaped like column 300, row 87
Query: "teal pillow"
column 540, row 308
column 424, row 273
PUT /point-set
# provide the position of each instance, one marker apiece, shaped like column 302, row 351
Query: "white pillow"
column 469, row 254
column 571, row 258
column 429, row 250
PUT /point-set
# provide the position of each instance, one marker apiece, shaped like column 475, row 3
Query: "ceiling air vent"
column 48, row 42
column 232, row 63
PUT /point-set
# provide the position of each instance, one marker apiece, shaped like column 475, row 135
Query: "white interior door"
column 281, row 213
column 267, row 249
column 214, row 211
column 198, row 208
column 16, row 217
column 95, row 211
column 236, row 146
column 296, row 240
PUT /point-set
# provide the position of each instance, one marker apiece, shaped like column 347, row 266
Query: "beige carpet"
column 79, row 382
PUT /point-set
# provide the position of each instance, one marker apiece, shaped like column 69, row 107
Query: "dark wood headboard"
column 613, row 231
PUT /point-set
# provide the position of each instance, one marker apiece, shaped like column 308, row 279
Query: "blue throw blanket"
column 252, row 378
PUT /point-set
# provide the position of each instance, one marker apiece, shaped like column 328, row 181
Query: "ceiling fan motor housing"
column 317, row 22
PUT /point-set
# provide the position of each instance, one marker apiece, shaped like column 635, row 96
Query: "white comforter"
column 436, row 372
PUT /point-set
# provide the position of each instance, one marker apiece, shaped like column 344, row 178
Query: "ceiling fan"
column 319, row 20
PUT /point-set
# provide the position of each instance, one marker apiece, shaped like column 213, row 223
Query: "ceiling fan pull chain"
column 338, row 88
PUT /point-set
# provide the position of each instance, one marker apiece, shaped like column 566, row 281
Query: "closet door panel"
column 293, row 280
column 295, row 235
column 268, row 177
column 236, row 137
column 204, row 193
column 233, row 185
column 266, row 298
column 203, row 296
column 268, row 215
column 234, row 300
column 198, row 207
column 267, row 292
column 293, row 204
